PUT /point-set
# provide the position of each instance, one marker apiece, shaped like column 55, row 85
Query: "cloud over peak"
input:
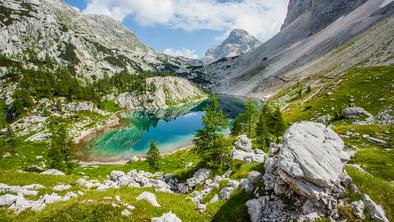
column 188, row 53
column 261, row 18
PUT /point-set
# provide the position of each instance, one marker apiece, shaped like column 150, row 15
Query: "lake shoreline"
column 141, row 157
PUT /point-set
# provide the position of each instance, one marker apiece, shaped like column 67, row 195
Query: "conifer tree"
column 245, row 122
column 277, row 123
column 210, row 143
column 61, row 154
column 3, row 114
column 262, row 132
column 153, row 155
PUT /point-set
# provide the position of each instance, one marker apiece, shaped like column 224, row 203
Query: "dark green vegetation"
column 262, row 127
column 210, row 142
column 370, row 87
column 153, row 156
column 51, row 81
column 61, row 154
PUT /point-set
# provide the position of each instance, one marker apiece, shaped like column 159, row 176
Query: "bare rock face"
column 238, row 42
column 164, row 92
column 312, row 157
column 322, row 12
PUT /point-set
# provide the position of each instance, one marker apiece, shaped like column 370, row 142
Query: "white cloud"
column 261, row 18
column 188, row 53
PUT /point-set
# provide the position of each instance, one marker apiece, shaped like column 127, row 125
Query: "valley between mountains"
column 97, row 126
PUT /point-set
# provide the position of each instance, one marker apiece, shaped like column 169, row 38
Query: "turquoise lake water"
column 170, row 129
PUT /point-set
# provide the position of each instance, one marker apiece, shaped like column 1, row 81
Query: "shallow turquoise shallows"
column 170, row 129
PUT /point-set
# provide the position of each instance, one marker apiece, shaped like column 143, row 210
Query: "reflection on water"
column 170, row 129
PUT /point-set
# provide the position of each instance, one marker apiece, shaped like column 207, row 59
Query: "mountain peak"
column 239, row 41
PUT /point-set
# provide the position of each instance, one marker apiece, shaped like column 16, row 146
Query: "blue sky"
column 189, row 27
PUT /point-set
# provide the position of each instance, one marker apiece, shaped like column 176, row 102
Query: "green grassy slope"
column 372, row 89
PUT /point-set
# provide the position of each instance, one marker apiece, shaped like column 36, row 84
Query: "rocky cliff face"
column 238, row 42
column 164, row 92
column 91, row 44
column 311, row 30
column 321, row 13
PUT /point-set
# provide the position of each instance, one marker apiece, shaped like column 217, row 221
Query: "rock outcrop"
column 311, row 158
column 306, row 47
column 308, row 170
column 94, row 45
column 243, row 151
column 166, row 92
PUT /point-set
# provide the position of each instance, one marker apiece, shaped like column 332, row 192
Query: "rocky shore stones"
column 311, row 158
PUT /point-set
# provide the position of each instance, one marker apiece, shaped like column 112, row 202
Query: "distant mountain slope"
column 239, row 41
column 256, row 71
column 93, row 45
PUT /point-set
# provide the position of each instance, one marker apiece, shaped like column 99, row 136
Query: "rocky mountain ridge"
column 238, row 42
column 301, row 43
column 93, row 45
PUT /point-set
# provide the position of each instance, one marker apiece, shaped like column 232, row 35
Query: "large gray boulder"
column 312, row 157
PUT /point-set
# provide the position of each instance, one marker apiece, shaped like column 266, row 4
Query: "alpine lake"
column 170, row 129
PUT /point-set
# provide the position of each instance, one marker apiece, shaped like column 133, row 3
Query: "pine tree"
column 277, row 125
column 10, row 138
column 3, row 114
column 262, row 132
column 61, row 154
column 210, row 143
column 245, row 121
column 153, row 155
column 250, row 118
